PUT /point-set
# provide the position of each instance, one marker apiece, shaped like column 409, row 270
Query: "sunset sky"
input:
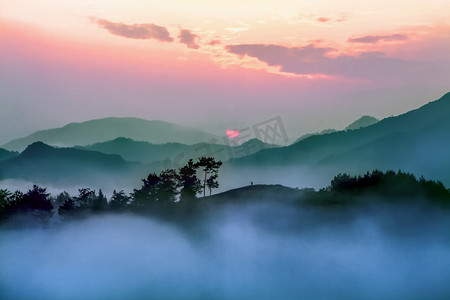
column 219, row 65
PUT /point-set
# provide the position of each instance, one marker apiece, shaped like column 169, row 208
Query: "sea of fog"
column 259, row 251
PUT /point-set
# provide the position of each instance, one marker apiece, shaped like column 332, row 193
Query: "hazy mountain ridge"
column 5, row 154
column 416, row 141
column 146, row 152
column 305, row 136
column 315, row 148
column 41, row 163
column 424, row 151
column 106, row 129
column 364, row 121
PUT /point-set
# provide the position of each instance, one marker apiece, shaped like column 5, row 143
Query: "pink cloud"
column 136, row 31
column 323, row 19
column 372, row 39
column 188, row 38
column 315, row 60
column 214, row 42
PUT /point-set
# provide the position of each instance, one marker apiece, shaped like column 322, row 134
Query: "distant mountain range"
column 417, row 141
column 102, row 130
column 147, row 152
column 40, row 163
column 364, row 121
column 104, row 164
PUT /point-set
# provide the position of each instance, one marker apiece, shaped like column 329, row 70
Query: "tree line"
column 389, row 186
column 169, row 186
column 175, row 188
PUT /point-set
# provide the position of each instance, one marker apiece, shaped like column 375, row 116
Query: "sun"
column 232, row 133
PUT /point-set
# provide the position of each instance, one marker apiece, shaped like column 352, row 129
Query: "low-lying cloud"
column 236, row 252
column 136, row 31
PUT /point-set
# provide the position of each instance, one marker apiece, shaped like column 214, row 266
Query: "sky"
column 219, row 65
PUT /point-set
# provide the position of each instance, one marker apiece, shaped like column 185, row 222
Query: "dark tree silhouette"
column 147, row 194
column 167, row 188
column 119, row 200
column 85, row 198
column 212, row 182
column 162, row 188
column 210, row 168
column 61, row 198
column 35, row 203
column 189, row 181
column 388, row 185
column 38, row 198
column 68, row 208
column 4, row 195
column 99, row 203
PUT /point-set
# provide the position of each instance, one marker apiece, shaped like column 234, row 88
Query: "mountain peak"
column 38, row 145
column 364, row 121
column 37, row 148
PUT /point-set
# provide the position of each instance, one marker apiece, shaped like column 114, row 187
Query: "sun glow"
column 232, row 133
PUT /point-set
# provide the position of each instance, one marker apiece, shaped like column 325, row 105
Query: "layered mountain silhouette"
column 101, row 130
column 41, row 163
column 305, row 136
column 148, row 152
column 417, row 141
column 364, row 121
column 103, row 164
column 5, row 154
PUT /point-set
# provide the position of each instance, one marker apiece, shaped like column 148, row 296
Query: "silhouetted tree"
column 212, row 182
column 85, row 198
column 119, row 200
column 147, row 194
column 99, row 203
column 389, row 185
column 167, row 187
column 35, row 203
column 68, row 208
column 61, row 198
column 162, row 188
column 189, row 181
column 210, row 168
column 4, row 195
